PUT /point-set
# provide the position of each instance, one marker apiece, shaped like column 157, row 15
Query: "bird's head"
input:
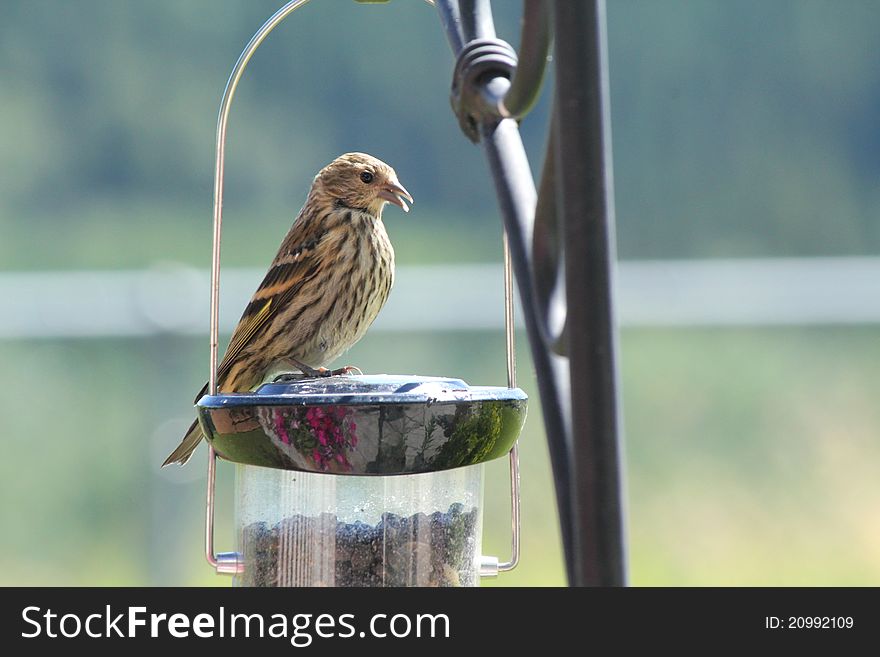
column 361, row 182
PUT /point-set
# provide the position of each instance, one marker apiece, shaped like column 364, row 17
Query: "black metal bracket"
column 480, row 59
column 562, row 247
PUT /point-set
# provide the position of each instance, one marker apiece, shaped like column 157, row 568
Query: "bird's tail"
column 187, row 446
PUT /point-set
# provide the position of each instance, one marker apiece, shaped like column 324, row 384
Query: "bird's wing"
column 287, row 275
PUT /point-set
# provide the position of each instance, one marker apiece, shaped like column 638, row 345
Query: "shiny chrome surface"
column 364, row 425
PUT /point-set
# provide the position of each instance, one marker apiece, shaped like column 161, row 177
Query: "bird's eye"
column 367, row 177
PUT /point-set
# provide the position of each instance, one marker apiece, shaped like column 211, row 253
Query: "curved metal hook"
column 548, row 253
column 534, row 45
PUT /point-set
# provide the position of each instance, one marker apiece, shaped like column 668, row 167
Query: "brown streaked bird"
column 329, row 280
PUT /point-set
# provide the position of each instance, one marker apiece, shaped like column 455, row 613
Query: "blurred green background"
column 741, row 129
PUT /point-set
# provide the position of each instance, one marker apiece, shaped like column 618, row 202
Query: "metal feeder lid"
column 364, row 425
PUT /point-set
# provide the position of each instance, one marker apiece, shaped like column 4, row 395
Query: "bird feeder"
column 356, row 480
column 361, row 480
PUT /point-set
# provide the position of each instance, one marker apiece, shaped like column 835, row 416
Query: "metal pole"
column 464, row 22
column 585, row 202
column 569, row 318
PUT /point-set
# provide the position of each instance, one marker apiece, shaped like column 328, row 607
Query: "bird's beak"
column 394, row 192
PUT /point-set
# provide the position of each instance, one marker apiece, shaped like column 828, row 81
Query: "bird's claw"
column 342, row 371
column 348, row 369
column 313, row 373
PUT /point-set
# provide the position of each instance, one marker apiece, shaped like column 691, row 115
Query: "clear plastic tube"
column 304, row 529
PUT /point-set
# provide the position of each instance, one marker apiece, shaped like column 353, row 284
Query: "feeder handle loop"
column 222, row 121
column 227, row 563
column 219, row 168
column 510, row 343
column 490, row 566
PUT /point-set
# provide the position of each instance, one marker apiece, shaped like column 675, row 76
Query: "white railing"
column 174, row 299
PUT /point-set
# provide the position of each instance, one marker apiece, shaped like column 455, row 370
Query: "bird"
column 326, row 285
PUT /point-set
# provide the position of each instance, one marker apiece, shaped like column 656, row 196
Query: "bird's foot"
column 311, row 372
column 289, row 377
column 348, row 369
